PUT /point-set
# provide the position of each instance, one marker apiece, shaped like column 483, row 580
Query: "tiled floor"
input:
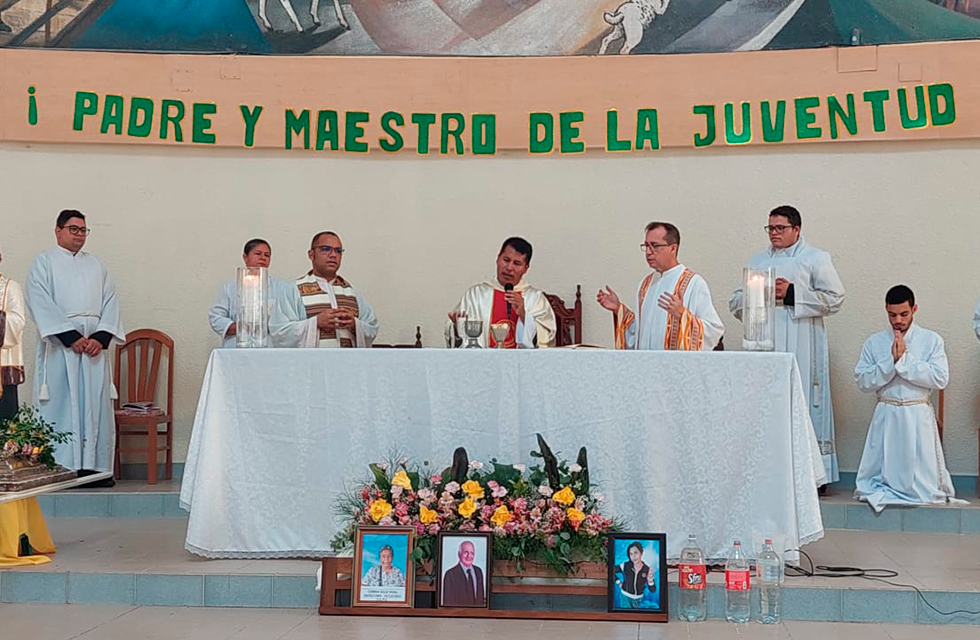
column 64, row 622
column 156, row 545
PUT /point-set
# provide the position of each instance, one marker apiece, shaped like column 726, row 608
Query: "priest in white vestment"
column 74, row 304
column 222, row 315
column 508, row 300
column 903, row 462
column 12, row 317
column 323, row 309
column 808, row 289
column 674, row 311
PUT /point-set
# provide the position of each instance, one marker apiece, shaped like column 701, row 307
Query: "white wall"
column 170, row 224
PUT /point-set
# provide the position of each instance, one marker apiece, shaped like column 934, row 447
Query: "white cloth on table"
column 903, row 462
column 66, row 292
column 800, row 329
column 649, row 328
column 716, row 443
column 221, row 315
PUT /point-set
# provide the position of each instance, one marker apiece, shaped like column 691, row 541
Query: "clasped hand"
column 87, row 346
column 335, row 319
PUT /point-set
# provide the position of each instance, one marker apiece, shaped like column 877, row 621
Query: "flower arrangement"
column 27, row 436
column 545, row 513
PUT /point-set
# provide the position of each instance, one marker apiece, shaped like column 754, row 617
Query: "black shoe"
column 822, row 490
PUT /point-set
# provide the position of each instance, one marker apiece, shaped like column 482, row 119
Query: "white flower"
column 545, row 490
column 452, row 488
column 575, row 467
column 402, row 461
column 520, row 467
column 598, row 496
column 382, row 465
column 425, row 494
column 476, row 464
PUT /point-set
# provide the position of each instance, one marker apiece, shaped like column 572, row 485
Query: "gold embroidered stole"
column 316, row 300
column 687, row 332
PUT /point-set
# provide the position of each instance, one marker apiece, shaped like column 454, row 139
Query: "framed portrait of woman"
column 638, row 573
column 384, row 572
column 465, row 567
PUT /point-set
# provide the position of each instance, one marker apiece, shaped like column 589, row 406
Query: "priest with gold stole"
column 323, row 310
column 674, row 311
column 509, row 299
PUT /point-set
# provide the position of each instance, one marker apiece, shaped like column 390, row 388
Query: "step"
column 141, row 561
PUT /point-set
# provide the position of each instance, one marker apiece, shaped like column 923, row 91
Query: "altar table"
column 718, row 444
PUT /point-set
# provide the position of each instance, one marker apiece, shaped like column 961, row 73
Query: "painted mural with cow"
column 479, row 27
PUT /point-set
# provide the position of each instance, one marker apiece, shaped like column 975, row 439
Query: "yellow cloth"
column 16, row 519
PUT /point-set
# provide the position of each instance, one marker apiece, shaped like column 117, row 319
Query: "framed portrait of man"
column 384, row 572
column 638, row 573
column 465, row 567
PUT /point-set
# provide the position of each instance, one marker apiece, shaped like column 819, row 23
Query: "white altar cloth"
column 718, row 444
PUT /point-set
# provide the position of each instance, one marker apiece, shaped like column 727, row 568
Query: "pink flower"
column 549, row 541
column 519, row 504
column 419, row 529
column 436, row 478
column 498, row 491
column 402, row 461
column 365, row 493
column 401, row 509
column 485, row 527
column 404, row 520
column 452, row 488
column 396, row 492
column 386, row 521
column 545, row 490
column 426, row 494
column 433, row 529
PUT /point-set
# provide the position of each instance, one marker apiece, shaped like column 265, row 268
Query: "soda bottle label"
column 737, row 580
column 693, row 576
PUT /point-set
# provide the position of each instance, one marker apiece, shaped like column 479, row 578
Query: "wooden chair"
column 416, row 345
column 143, row 352
column 569, row 319
column 940, row 412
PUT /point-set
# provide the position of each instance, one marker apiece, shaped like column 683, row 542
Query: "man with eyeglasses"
column 74, row 304
column 808, row 289
column 507, row 301
column 258, row 253
column 674, row 311
column 323, row 309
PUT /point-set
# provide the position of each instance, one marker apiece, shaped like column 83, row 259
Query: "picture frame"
column 460, row 585
column 632, row 590
column 377, row 581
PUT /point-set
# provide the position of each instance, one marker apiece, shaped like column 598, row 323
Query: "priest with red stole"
column 507, row 299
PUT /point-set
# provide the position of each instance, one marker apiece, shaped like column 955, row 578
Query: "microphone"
column 508, row 288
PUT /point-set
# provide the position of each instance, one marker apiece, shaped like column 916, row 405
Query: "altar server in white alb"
column 323, row 309
column 508, row 299
column 74, row 304
column 258, row 253
column 808, row 289
column 674, row 311
column 903, row 461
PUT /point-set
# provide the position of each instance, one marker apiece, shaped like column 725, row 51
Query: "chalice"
column 474, row 329
column 500, row 331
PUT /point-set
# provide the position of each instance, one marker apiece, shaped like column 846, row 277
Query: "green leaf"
column 565, row 535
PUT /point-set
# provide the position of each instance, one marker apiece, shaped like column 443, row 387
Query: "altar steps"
column 132, row 499
column 141, row 561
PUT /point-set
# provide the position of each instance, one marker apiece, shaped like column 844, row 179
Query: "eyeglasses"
column 75, row 230
column 652, row 246
column 328, row 250
column 777, row 228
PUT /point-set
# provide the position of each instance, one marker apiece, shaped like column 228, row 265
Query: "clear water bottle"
column 770, row 574
column 693, row 582
column 737, row 594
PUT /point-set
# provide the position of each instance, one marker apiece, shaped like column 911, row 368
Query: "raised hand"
column 608, row 299
column 672, row 304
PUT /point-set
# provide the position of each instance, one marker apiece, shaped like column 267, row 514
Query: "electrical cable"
column 878, row 575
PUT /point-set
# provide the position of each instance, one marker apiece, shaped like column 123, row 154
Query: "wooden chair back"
column 569, row 319
column 416, row 345
column 940, row 412
column 143, row 352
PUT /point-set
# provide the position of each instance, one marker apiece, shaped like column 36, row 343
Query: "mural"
column 479, row 27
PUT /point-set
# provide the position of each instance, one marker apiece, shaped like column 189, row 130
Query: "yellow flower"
column 575, row 516
column 564, row 497
column 473, row 489
column 467, row 507
column 379, row 509
column 501, row 516
column 427, row 516
column 402, row 480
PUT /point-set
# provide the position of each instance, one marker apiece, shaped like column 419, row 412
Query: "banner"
column 481, row 107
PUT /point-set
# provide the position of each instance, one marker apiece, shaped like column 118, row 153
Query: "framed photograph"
column 638, row 572
column 384, row 574
column 465, row 565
